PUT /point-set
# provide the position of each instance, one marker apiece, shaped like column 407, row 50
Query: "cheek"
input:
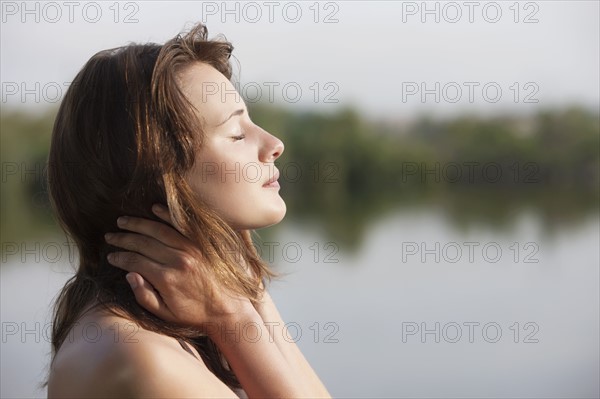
column 240, row 200
column 226, row 186
column 232, row 186
column 215, row 183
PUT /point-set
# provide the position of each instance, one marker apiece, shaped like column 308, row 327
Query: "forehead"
column 213, row 95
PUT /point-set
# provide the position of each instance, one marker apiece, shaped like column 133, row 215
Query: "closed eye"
column 240, row 137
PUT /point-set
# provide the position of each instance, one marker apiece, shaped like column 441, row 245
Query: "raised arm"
column 169, row 279
column 295, row 359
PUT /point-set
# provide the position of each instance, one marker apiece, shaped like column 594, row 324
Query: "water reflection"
column 515, row 323
column 534, row 316
column 346, row 219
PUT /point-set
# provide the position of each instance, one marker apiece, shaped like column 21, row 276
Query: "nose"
column 272, row 147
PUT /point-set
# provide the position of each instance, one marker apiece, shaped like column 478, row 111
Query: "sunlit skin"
column 168, row 278
column 237, row 157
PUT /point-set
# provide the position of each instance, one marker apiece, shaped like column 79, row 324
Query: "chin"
column 273, row 215
column 280, row 214
column 263, row 218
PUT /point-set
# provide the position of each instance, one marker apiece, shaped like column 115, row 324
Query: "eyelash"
column 240, row 137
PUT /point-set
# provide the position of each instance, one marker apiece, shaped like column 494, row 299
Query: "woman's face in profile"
column 234, row 172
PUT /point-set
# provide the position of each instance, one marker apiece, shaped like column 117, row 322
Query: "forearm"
column 255, row 358
column 186, row 293
column 288, row 348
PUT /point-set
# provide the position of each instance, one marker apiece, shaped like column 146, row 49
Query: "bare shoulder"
column 109, row 356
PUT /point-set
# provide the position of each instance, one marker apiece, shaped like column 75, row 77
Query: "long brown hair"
column 123, row 139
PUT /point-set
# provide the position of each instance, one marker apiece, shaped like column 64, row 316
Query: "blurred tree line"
column 342, row 170
column 474, row 169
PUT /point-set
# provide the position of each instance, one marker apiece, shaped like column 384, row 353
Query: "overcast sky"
column 480, row 56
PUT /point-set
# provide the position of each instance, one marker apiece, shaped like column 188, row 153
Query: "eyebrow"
column 234, row 113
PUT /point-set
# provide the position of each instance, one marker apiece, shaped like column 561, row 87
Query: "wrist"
column 266, row 308
column 231, row 326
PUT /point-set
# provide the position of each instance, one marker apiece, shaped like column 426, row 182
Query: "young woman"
column 158, row 174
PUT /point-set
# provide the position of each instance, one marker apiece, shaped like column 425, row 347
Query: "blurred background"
column 441, row 173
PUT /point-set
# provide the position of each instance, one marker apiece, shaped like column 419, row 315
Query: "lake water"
column 421, row 308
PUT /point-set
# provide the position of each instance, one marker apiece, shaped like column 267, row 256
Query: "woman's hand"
column 169, row 276
column 170, row 279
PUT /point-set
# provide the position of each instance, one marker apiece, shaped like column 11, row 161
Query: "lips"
column 272, row 182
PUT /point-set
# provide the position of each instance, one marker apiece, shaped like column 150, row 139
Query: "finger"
column 162, row 212
column 147, row 296
column 160, row 231
column 144, row 245
column 134, row 262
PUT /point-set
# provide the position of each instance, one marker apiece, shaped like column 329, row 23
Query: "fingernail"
column 108, row 236
column 122, row 220
column 110, row 257
column 156, row 208
column 131, row 280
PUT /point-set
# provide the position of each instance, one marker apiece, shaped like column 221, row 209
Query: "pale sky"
column 377, row 56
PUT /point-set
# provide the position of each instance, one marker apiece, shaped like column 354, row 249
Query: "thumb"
column 146, row 295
